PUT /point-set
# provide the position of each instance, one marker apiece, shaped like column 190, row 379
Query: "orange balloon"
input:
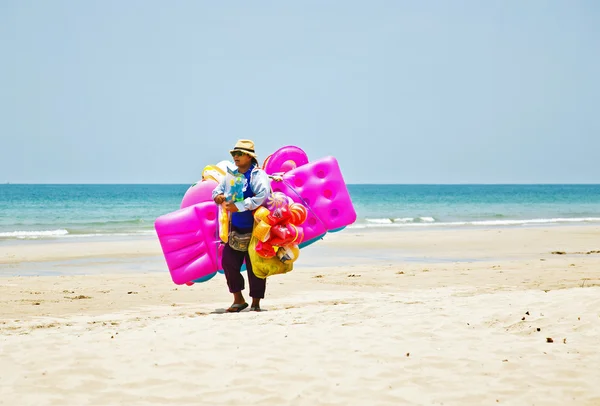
column 299, row 213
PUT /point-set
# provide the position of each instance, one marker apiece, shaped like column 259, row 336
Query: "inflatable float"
column 316, row 201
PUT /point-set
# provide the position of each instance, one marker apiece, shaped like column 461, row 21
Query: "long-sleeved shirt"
column 260, row 186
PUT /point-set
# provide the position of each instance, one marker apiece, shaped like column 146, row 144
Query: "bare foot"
column 238, row 298
column 255, row 307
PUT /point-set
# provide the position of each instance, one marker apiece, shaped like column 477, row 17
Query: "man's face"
column 241, row 159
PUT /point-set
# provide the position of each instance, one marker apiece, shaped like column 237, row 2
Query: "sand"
column 415, row 317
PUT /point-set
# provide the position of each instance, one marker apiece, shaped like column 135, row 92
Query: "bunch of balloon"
column 278, row 229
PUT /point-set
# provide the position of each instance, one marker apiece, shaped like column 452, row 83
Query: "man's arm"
column 218, row 192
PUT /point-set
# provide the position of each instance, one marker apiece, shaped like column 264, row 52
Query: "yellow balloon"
column 213, row 172
column 261, row 213
column 262, row 231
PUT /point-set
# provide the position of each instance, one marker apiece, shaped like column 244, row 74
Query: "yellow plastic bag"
column 264, row 267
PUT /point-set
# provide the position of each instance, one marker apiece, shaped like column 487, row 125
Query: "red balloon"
column 281, row 235
column 265, row 249
column 278, row 216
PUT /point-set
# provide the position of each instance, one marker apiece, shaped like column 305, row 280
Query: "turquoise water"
column 434, row 205
column 67, row 211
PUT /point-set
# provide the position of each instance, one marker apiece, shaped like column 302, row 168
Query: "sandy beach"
column 417, row 317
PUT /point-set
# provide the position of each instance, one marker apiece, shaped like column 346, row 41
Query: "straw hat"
column 245, row 146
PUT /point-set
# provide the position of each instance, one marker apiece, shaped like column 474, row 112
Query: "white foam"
column 116, row 234
column 404, row 220
column 380, row 221
column 430, row 222
column 62, row 233
column 400, row 220
column 34, row 234
column 533, row 221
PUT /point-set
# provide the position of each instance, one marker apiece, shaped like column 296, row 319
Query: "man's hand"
column 230, row 206
column 219, row 198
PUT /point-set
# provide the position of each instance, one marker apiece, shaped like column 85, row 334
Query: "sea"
column 34, row 212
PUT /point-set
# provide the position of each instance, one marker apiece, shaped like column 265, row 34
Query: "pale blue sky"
column 399, row 91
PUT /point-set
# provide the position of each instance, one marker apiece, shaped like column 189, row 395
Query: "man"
column 256, row 188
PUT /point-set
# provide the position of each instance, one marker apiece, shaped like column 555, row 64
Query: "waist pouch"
column 239, row 241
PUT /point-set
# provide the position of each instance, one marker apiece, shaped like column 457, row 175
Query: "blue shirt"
column 257, row 188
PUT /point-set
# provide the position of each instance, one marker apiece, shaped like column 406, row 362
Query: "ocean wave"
column 380, row 221
column 34, row 234
column 107, row 231
column 430, row 221
column 400, row 220
column 116, row 222
column 112, row 233
column 65, row 233
column 367, row 223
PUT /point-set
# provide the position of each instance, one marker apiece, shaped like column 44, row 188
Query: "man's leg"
column 232, row 261
column 257, row 285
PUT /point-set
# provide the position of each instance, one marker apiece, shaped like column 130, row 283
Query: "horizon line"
column 349, row 184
